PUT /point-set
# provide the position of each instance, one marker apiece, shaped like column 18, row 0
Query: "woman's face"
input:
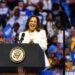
column 32, row 23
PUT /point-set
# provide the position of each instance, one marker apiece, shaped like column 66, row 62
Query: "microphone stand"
column 16, row 37
column 22, row 38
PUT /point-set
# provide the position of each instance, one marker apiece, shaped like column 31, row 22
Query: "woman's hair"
column 38, row 28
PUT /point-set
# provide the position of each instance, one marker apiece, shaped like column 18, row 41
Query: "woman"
column 35, row 34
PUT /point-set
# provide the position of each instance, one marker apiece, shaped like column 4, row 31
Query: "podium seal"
column 17, row 54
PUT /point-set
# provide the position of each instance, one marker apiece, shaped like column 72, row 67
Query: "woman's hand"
column 31, row 41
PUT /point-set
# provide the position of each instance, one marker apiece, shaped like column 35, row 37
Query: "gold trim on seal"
column 17, row 54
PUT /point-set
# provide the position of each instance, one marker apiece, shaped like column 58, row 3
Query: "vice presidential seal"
column 17, row 54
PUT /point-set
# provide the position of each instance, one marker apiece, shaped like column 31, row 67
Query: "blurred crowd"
column 70, row 48
column 55, row 16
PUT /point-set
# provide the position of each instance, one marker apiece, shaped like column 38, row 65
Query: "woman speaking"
column 35, row 34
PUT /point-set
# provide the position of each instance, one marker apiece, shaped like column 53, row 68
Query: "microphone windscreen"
column 22, row 37
column 23, row 34
column 16, row 37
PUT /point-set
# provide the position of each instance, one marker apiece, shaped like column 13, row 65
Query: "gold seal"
column 17, row 54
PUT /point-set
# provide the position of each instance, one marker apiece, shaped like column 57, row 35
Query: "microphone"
column 16, row 37
column 22, row 38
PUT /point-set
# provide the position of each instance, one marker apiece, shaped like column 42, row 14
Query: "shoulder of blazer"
column 42, row 31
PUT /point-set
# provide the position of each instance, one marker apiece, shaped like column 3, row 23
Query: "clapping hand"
column 31, row 41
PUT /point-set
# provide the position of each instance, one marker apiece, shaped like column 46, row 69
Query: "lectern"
column 33, row 57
